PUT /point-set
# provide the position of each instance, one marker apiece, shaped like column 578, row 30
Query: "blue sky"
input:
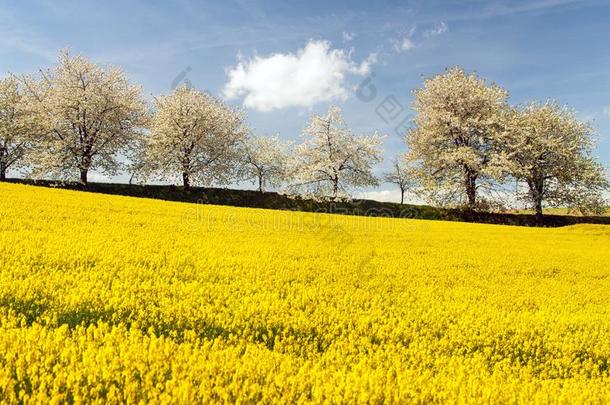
column 536, row 49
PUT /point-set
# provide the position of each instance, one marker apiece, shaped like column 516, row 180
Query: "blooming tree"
column 401, row 175
column 454, row 140
column 332, row 160
column 89, row 115
column 15, row 126
column 195, row 136
column 551, row 152
column 264, row 161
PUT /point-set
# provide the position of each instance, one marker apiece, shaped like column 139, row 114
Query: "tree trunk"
column 539, row 215
column 3, row 165
column 471, row 191
column 537, row 195
column 83, row 176
column 85, row 164
column 402, row 196
column 186, row 181
column 260, row 184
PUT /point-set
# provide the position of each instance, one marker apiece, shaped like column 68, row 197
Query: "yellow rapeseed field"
column 112, row 299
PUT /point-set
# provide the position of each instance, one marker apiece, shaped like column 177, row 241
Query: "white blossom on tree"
column 15, row 127
column 400, row 174
column 194, row 137
column 332, row 159
column 89, row 115
column 551, row 152
column 454, row 139
column 264, row 161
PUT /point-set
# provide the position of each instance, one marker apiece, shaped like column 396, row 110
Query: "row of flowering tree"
column 465, row 143
column 197, row 137
column 78, row 117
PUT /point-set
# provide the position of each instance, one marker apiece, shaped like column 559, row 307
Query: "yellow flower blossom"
column 107, row 299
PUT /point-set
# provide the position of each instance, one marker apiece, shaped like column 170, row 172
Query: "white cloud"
column 405, row 45
column 412, row 30
column 606, row 110
column 316, row 73
column 381, row 195
column 439, row 29
column 348, row 36
column 392, row 195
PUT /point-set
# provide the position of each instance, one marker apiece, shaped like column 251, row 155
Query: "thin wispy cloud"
column 28, row 46
column 439, row 29
column 404, row 45
column 27, row 41
column 503, row 9
column 348, row 36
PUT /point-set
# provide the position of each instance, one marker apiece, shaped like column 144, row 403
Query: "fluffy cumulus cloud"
column 316, row 73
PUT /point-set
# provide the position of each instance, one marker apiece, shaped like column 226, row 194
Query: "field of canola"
column 106, row 299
